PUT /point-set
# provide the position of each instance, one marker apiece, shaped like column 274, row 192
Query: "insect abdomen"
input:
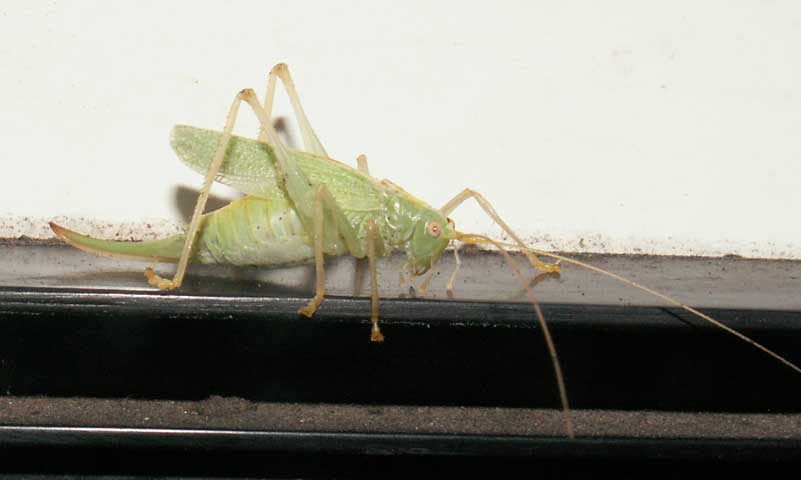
column 250, row 231
column 254, row 231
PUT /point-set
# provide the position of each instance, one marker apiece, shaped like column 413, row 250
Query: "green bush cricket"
column 302, row 205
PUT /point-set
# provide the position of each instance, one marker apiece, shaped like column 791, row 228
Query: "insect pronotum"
column 302, row 205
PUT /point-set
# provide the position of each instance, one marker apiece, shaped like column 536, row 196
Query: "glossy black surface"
column 72, row 326
column 118, row 344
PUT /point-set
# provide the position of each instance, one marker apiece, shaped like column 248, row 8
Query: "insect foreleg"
column 452, row 279
column 310, row 141
column 485, row 205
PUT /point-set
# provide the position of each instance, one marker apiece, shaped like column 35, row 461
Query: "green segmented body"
column 249, row 231
column 254, row 231
column 263, row 228
column 250, row 167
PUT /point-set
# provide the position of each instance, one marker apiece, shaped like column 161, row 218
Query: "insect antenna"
column 653, row 292
column 476, row 239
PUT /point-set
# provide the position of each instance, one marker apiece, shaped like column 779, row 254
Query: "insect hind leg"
column 293, row 179
column 361, row 164
column 194, row 225
column 311, row 143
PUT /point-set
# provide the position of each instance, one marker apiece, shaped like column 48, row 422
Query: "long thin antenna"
column 560, row 380
column 653, row 292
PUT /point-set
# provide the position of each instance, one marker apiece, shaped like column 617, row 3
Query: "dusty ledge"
column 236, row 414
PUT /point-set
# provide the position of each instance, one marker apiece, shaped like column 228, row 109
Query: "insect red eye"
column 434, row 229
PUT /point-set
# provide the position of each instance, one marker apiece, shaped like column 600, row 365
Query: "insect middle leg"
column 360, row 265
column 314, row 204
column 328, row 218
column 372, row 240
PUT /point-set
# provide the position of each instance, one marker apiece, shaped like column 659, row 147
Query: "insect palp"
column 423, row 287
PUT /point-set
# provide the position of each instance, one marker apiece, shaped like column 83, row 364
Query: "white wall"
column 667, row 127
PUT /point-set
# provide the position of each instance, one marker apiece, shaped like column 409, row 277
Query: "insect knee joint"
column 247, row 93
